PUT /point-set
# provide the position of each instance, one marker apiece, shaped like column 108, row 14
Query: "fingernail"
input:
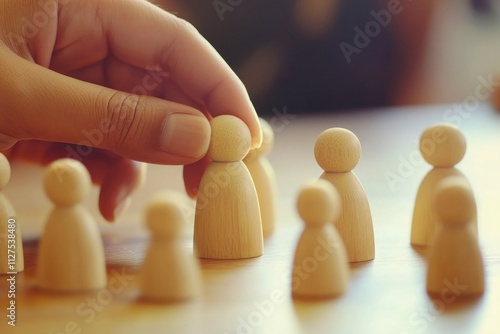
column 186, row 135
column 121, row 207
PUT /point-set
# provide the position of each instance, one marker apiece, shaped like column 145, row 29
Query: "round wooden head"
column 66, row 182
column 442, row 145
column 164, row 217
column 318, row 203
column 230, row 139
column 267, row 141
column 4, row 171
column 454, row 202
column 337, row 150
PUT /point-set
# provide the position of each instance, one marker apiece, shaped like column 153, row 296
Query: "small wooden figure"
column 337, row 152
column 264, row 178
column 320, row 266
column 227, row 218
column 454, row 257
column 169, row 272
column 70, row 254
column 11, row 242
column 442, row 146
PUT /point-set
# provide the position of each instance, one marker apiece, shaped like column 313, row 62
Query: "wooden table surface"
column 386, row 295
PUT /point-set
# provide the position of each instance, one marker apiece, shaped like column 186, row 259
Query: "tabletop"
column 386, row 295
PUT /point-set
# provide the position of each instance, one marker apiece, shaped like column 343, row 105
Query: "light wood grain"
column 386, row 295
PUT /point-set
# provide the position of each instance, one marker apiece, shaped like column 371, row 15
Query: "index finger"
column 143, row 35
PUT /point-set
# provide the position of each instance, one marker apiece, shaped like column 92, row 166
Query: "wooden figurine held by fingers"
column 496, row 97
column 442, row 146
column 169, row 272
column 320, row 252
column 454, row 257
column 264, row 178
column 70, row 253
column 227, row 218
column 337, row 152
column 11, row 242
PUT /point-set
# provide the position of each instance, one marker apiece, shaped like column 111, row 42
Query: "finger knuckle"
column 186, row 26
column 122, row 110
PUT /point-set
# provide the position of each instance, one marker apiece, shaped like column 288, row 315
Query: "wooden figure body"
column 424, row 221
column 454, row 257
column 227, row 218
column 70, row 254
column 337, row 152
column 355, row 222
column 264, row 179
column 442, row 146
column 169, row 272
column 11, row 243
column 320, row 267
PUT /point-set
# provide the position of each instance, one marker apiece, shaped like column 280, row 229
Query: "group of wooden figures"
column 444, row 217
column 238, row 212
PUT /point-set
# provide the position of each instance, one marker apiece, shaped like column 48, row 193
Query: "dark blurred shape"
column 288, row 53
column 496, row 99
column 482, row 6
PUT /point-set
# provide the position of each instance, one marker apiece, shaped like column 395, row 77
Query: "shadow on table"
column 310, row 313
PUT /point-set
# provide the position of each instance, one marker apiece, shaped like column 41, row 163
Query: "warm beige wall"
column 460, row 48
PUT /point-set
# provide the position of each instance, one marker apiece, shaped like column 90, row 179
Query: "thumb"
column 45, row 105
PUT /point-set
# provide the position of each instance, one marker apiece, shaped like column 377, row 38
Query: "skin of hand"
column 108, row 82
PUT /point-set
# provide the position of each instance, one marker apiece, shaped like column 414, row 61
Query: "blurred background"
column 317, row 55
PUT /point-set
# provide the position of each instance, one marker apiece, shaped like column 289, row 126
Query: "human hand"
column 107, row 81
